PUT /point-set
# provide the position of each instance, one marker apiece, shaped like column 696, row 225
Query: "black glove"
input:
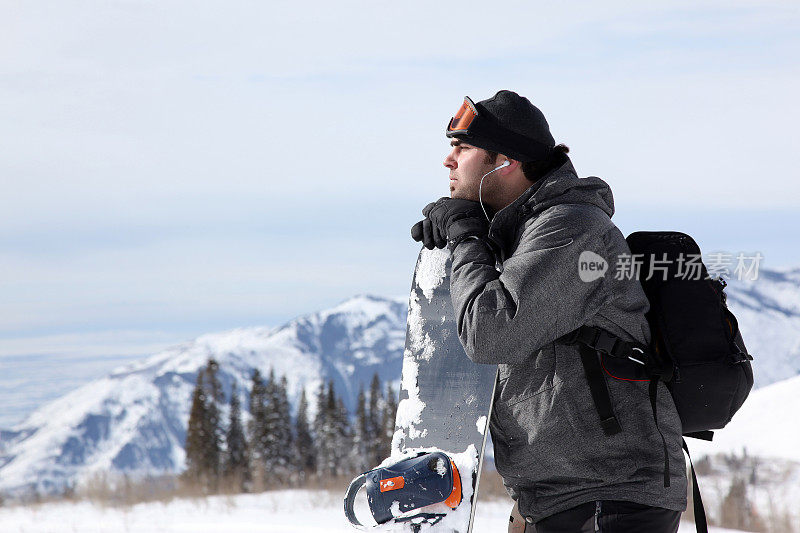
column 450, row 219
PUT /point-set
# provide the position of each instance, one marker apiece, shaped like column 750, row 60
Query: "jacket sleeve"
column 539, row 296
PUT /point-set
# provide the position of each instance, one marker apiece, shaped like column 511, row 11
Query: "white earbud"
column 505, row 164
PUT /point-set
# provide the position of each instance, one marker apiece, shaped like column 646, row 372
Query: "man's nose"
column 450, row 161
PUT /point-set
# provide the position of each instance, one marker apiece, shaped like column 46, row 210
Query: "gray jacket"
column 549, row 446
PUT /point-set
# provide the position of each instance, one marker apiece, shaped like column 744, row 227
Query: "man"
column 519, row 224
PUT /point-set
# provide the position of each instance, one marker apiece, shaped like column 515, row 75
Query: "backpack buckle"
column 605, row 342
column 741, row 357
column 638, row 358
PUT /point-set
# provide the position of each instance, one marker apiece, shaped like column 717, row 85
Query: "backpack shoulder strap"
column 599, row 390
column 700, row 522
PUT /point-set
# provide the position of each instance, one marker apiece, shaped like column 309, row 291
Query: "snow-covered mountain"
column 768, row 311
column 134, row 420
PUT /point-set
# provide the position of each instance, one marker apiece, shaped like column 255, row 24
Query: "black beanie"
column 527, row 135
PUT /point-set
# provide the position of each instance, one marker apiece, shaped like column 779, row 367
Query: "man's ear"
column 509, row 165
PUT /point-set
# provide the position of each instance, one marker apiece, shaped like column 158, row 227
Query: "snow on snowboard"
column 442, row 420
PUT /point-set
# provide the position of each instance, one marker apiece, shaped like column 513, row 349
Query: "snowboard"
column 445, row 398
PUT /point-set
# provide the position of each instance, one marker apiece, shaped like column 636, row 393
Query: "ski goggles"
column 463, row 118
column 484, row 132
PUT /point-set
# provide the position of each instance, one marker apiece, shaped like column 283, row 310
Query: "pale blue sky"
column 175, row 168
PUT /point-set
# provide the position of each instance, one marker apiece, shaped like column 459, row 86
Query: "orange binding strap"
column 454, row 499
column 393, row 483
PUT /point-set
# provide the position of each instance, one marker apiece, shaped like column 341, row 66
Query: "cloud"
column 202, row 163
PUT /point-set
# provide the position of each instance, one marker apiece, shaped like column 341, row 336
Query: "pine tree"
column 390, row 414
column 271, row 434
column 305, row 452
column 214, row 436
column 321, row 429
column 257, row 403
column 361, row 435
column 236, row 468
column 272, row 452
column 375, row 422
column 325, row 431
column 283, row 428
column 256, row 428
column 196, row 435
column 333, row 436
column 204, row 432
column 344, row 440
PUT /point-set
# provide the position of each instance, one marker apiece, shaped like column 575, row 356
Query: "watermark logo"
column 591, row 266
column 741, row 266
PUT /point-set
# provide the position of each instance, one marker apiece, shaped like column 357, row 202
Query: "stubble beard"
column 464, row 193
column 471, row 190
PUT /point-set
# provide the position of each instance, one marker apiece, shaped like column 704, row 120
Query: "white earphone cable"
column 480, row 187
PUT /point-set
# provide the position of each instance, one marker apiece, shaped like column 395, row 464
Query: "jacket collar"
column 559, row 186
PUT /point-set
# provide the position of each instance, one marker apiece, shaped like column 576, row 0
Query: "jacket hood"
column 563, row 186
column 560, row 186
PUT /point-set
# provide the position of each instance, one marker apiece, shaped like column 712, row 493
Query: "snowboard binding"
column 425, row 479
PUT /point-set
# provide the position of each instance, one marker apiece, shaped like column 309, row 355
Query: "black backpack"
column 696, row 347
column 695, row 333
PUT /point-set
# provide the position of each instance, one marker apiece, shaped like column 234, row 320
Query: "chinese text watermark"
column 742, row 266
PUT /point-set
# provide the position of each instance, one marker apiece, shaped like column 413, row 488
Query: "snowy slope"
column 134, row 420
column 297, row 511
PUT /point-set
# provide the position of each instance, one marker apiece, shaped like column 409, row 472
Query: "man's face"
column 467, row 166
